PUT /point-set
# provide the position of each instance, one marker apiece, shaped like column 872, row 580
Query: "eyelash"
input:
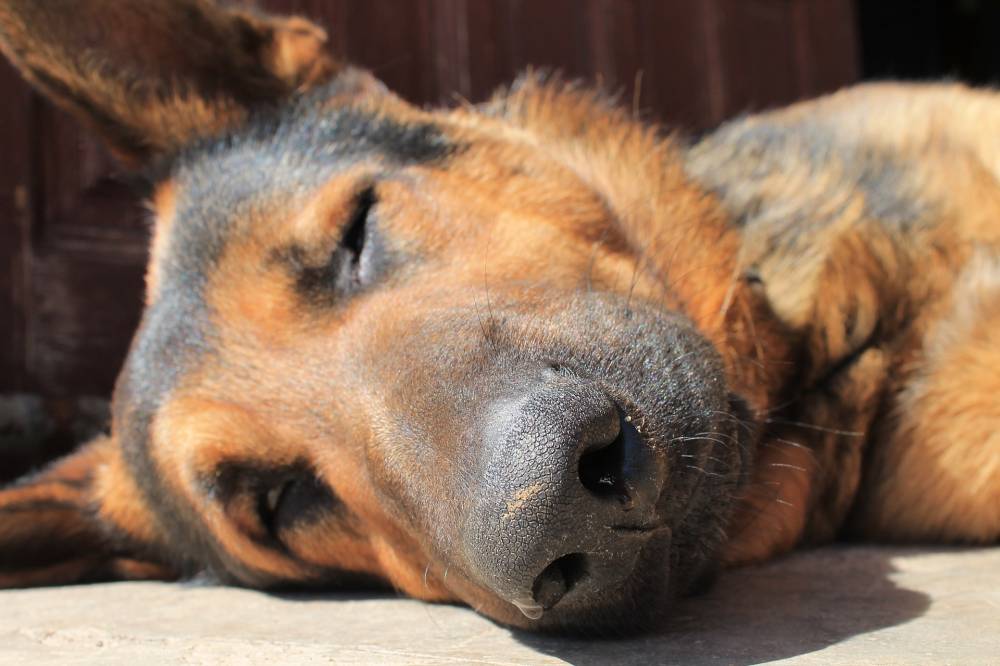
column 356, row 230
column 268, row 505
column 292, row 499
column 353, row 264
column 354, row 240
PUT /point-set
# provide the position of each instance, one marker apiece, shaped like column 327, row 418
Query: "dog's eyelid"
column 356, row 243
column 268, row 501
column 293, row 498
column 355, row 232
column 272, row 497
column 353, row 264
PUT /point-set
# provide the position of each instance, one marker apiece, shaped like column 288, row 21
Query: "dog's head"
column 492, row 354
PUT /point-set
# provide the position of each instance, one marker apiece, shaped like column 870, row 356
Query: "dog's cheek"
column 121, row 502
column 410, row 572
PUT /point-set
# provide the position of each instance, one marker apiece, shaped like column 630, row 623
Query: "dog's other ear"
column 153, row 75
column 80, row 520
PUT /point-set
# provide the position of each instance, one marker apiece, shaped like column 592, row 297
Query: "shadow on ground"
column 835, row 605
column 787, row 608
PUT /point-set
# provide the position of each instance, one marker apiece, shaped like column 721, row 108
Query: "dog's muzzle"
column 567, row 496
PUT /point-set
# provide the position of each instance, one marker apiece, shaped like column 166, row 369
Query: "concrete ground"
column 844, row 605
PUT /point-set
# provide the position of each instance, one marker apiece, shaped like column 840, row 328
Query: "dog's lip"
column 643, row 530
column 640, row 528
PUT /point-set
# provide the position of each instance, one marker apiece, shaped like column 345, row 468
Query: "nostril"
column 602, row 471
column 558, row 579
column 555, row 369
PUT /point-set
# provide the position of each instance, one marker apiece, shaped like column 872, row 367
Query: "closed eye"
column 268, row 504
column 299, row 498
column 265, row 502
column 355, row 236
column 355, row 262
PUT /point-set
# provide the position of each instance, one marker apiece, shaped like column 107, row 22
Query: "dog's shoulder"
column 866, row 188
column 898, row 151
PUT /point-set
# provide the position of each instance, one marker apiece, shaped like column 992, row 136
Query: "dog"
column 533, row 355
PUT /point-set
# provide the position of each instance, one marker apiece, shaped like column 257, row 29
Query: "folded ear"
column 80, row 520
column 153, row 75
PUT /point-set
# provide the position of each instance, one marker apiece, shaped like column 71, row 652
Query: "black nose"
column 566, row 493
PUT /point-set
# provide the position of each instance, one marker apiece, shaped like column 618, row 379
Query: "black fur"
column 224, row 184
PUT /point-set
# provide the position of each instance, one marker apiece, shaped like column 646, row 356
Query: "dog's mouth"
column 579, row 494
column 627, row 523
column 657, row 553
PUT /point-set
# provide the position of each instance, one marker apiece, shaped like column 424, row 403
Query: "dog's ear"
column 153, row 75
column 79, row 520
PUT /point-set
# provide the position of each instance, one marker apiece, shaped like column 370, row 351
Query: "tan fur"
column 153, row 97
column 842, row 256
column 937, row 474
column 892, row 289
column 163, row 205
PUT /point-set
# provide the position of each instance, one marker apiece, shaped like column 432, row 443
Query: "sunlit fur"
column 830, row 271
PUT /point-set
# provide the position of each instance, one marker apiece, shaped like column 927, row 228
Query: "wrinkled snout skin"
column 502, row 443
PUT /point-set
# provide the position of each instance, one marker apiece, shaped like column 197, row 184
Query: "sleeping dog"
column 531, row 355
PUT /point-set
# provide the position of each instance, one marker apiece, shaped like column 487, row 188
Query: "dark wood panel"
column 550, row 34
column 78, row 181
column 392, row 39
column 614, row 53
column 681, row 82
column 757, row 41
column 85, row 262
column 449, row 26
column 15, row 195
column 696, row 61
column 489, row 58
column 828, row 47
column 775, row 52
column 34, row 430
column 85, row 306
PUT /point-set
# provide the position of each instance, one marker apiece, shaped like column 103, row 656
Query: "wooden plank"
column 490, row 57
column 15, row 199
column 698, row 61
column 86, row 262
column 450, row 50
column 85, row 308
column 758, row 54
column 615, row 51
column 550, row 35
column 827, row 46
column 392, row 39
column 681, row 73
column 82, row 197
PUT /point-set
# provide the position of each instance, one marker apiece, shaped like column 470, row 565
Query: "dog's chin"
column 672, row 557
column 677, row 557
column 676, row 554
column 636, row 605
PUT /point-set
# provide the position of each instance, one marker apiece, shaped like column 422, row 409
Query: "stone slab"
column 839, row 605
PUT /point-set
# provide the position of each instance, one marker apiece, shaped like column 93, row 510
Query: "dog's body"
column 870, row 218
column 530, row 355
